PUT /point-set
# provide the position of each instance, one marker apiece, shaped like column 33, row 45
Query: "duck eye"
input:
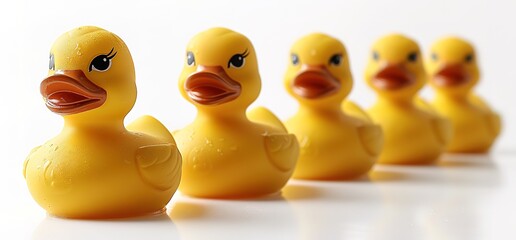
column 335, row 60
column 469, row 58
column 434, row 57
column 238, row 60
column 412, row 57
column 51, row 64
column 294, row 58
column 190, row 59
column 102, row 63
column 376, row 56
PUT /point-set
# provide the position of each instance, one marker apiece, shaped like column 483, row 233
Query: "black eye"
column 294, row 58
column 51, row 64
column 238, row 60
column 335, row 59
column 376, row 56
column 102, row 63
column 412, row 57
column 190, row 59
column 469, row 58
column 434, row 57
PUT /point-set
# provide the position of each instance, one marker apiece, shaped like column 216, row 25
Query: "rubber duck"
column 227, row 152
column 413, row 134
column 96, row 167
column 453, row 72
column 334, row 144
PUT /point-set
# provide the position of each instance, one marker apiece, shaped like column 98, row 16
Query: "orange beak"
column 210, row 85
column 451, row 75
column 70, row 92
column 392, row 77
column 315, row 82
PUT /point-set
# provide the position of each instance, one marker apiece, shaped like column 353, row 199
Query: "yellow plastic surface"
column 475, row 125
column 95, row 168
column 334, row 144
column 413, row 135
column 227, row 154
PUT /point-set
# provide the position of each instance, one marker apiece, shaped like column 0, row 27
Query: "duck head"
column 91, row 77
column 318, row 73
column 220, row 74
column 452, row 67
column 395, row 68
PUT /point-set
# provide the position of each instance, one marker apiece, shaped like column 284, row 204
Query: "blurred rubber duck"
column 453, row 72
column 413, row 135
column 228, row 154
column 334, row 145
column 96, row 168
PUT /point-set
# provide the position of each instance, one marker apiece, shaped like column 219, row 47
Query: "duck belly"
column 223, row 162
column 90, row 179
column 409, row 138
column 471, row 132
column 329, row 150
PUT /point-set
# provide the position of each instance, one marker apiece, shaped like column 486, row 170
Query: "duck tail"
column 352, row 109
column 151, row 126
column 264, row 116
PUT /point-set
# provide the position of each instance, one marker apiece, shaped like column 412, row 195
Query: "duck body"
column 231, row 156
column 453, row 72
column 228, row 153
column 86, row 173
column 331, row 145
column 334, row 145
column 411, row 134
column 96, row 167
column 474, row 128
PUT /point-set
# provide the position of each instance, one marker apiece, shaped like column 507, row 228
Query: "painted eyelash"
column 245, row 53
column 112, row 56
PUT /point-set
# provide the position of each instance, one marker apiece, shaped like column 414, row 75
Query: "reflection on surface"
column 334, row 210
column 443, row 201
column 398, row 202
column 200, row 219
column 434, row 202
column 127, row 229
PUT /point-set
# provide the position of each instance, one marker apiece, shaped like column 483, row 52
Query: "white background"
column 157, row 33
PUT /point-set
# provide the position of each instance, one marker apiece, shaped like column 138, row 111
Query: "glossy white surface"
column 464, row 197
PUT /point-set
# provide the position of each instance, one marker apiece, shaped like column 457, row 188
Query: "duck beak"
column 70, row 92
column 451, row 75
column 315, row 82
column 393, row 77
column 211, row 85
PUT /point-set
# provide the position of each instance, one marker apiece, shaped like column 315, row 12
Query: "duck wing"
column 371, row 137
column 494, row 120
column 159, row 165
column 443, row 129
column 282, row 150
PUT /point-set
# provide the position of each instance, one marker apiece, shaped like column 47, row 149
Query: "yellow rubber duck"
column 96, row 168
column 334, row 144
column 226, row 155
column 453, row 72
column 413, row 135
